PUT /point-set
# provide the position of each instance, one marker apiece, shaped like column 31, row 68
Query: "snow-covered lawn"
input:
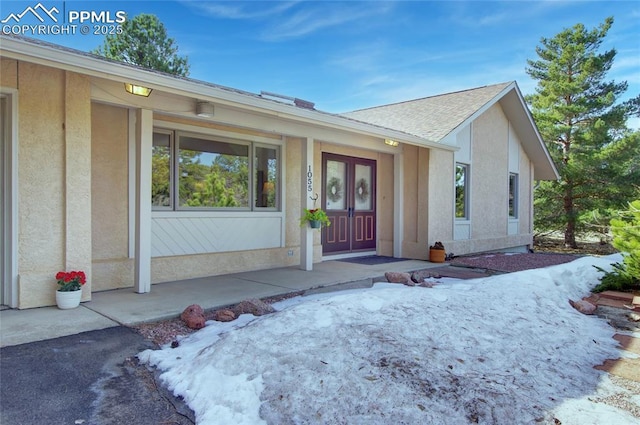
column 502, row 350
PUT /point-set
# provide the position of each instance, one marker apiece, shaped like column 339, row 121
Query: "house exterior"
column 197, row 179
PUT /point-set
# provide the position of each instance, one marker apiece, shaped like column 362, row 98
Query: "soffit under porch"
column 180, row 109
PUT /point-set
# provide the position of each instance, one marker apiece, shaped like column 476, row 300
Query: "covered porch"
column 167, row 300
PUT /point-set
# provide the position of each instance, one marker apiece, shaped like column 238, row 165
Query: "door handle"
column 350, row 212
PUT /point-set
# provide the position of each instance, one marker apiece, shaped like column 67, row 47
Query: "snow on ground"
column 507, row 349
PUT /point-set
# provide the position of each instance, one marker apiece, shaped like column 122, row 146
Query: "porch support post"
column 306, row 233
column 144, row 144
column 398, row 203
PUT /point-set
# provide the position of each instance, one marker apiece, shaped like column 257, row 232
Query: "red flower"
column 71, row 281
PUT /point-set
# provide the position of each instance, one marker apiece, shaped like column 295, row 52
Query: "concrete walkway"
column 168, row 300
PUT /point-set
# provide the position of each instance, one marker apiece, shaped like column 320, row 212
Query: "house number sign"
column 309, row 180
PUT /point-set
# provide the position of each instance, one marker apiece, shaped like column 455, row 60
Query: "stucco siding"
column 489, row 181
column 110, row 207
column 292, row 193
column 441, row 198
column 53, row 177
column 9, row 73
column 385, row 213
column 416, row 206
column 77, row 175
column 496, row 150
column 167, row 269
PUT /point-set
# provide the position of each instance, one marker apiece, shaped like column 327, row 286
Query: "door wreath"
column 362, row 190
column 334, row 189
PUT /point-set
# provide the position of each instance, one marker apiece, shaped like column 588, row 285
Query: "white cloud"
column 241, row 10
column 288, row 20
column 315, row 17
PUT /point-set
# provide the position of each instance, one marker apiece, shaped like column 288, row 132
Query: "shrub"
column 626, row 238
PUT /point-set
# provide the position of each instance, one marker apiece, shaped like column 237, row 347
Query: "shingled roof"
column 434, row 118
column 431, row 117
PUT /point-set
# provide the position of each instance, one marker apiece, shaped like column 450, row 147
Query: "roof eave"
column 533, row 144
column 517, row 111
column 49, row 55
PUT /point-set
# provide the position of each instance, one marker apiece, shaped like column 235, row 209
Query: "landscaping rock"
column 420, row 275
column 193, row 317
column 253, row 306
column 584, row 307
column 398, row 277
column 224, row 315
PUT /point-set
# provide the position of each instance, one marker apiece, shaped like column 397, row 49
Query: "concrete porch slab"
column 22, row 326
column 168, row 300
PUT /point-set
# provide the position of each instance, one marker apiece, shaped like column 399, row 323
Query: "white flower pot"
column 67, row 300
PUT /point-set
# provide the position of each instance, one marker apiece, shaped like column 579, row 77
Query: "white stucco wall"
column 74, row 184
column 54, row 207
column 112, row 267
column 419, row 173
column 495, row 151
column 441, row 198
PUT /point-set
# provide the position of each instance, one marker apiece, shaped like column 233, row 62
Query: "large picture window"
column 462, row 191
column 213, row 173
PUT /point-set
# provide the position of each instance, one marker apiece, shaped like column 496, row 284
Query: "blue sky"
column 350, row 55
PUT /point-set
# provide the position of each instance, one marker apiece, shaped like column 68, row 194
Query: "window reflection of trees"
column 462, row 173
column 213, row 174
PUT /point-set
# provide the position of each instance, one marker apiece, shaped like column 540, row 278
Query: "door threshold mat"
column 371, row 260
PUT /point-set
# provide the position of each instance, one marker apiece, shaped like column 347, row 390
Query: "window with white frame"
column 161, row 170
column 462, row 191
column 191, row 170
column 513, row 195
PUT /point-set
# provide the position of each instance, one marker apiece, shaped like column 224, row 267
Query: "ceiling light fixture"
column 391, row 142
column 137, row 90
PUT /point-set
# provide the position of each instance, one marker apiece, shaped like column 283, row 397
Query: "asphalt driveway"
column 91, row 378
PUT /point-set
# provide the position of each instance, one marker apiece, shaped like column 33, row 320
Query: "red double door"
column 348, row 197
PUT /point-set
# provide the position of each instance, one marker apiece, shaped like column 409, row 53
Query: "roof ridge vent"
column 300, row 103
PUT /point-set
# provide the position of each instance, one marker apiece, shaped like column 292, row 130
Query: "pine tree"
column 584, row 127
column 144, row 42
column 626, row 238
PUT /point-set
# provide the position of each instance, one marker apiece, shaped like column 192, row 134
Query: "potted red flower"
column 69, row 290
